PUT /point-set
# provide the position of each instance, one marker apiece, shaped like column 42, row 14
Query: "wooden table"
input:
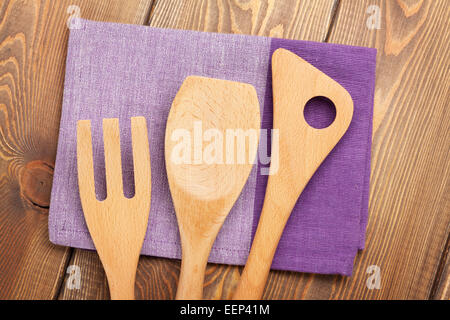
column 408, row 231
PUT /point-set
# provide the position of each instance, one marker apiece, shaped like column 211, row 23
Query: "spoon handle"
column 192, row 274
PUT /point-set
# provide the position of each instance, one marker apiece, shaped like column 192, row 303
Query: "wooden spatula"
column 117, row 224
column 302, row 149
column 205, row 184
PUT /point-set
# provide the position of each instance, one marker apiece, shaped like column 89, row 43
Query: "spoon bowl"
column 211, row 140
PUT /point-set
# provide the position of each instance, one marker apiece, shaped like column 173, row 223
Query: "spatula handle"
column 190, row 285
column 268, row 234
column 121, row 272
column 301, row 150
column 121, row 287
column 192, row 274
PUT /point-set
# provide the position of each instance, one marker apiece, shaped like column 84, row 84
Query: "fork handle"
column 121, row 283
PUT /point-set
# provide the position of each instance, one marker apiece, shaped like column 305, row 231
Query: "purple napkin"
column 120, row 71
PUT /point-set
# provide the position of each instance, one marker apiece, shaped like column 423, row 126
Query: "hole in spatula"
column 319, row 112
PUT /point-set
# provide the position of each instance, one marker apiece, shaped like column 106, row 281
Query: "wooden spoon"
column 117, row 224
column 205, row 184
column 302, row 149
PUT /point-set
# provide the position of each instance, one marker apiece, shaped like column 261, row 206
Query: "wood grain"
column 93, row 282
column 441, row 288
column 409, row 207
column 33, row 42
column 157, row 278
column 291, row 19
column 409, row 218
column 288, row 19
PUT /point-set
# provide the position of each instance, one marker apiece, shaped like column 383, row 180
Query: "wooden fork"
column 117, row 224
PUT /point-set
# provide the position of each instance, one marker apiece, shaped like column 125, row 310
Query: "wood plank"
column 93, row 284
column 33, row 41
column 441, row 288
column 290, row 19
column 409, row 219
column 157, row 278
column 287, row 19
column 409, row 215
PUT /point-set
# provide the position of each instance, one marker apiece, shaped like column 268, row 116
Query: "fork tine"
column 141, row 157
column 113, row 160
column 85, row 165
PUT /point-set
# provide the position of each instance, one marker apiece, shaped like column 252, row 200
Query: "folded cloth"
column 120, row 71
